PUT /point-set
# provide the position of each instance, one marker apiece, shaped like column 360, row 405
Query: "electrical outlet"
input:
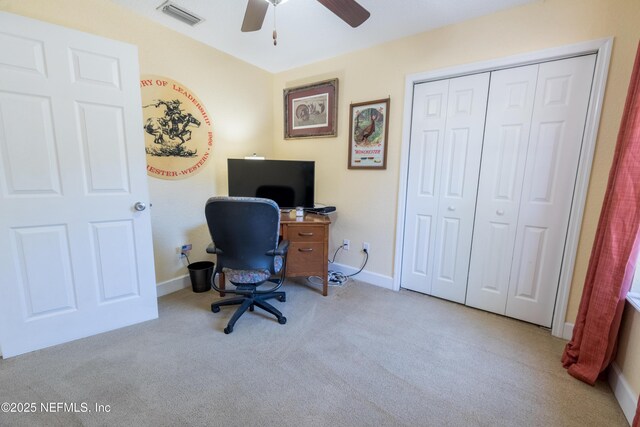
column 365, row 246
column 345, row 244
column 184, row 249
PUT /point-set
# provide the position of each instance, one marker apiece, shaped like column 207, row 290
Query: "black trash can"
column 200, row 273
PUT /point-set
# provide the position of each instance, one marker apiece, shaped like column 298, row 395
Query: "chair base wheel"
column 215, row 309
column 282, row 320
column 282, row 298
column 228, row 330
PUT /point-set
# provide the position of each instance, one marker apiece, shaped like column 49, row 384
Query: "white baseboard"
column 627, row 399
column 179, row 283
column 365, row 276
column 567, row 331
column 173, row 285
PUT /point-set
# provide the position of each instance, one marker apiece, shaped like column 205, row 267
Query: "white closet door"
column 535, row 123
column 446, row 142
column 427, row 139
column 557, row 128
column 459, row 185
column 511, row 98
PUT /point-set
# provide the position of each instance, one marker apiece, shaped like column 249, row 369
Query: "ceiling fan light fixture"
column 179, row 13
column 350, row 11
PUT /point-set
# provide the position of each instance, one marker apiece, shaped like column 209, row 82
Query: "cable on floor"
column 337, row 278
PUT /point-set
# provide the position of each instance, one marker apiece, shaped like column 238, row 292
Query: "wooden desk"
column 308, row 238
column 308, row 254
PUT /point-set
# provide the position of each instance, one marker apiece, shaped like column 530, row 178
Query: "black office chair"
column 245, row 233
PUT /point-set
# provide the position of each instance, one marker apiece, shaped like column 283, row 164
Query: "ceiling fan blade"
column 347, row 10
column 254, row 15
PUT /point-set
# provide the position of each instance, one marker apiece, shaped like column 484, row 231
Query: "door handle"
column 500, row 212
column 139, row 206
column 451, row 208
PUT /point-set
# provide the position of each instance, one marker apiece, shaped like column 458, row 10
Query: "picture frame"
column 368, row 134
column 311, row 111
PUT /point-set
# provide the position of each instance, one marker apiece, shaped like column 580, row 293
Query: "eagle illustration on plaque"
column 177, row 129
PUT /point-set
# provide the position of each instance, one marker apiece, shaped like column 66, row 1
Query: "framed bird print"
column 311, row 111
column 368, row 133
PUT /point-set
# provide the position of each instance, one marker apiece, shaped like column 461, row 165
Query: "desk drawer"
column 305, row 258
column 302, row 233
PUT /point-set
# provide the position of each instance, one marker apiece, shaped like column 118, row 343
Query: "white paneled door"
column 535, row 124
column 75, row 237
column 504, row 156
column 446, row 144
column 557, row 128
column 513, row 138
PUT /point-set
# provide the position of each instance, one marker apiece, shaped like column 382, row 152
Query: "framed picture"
column 311, row 111
column 368, row 130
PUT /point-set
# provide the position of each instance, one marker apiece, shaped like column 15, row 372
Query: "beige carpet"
column 363, row 356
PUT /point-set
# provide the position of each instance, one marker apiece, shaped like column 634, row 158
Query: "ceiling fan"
column 347, row 10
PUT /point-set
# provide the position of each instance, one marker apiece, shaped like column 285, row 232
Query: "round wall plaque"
column 177, row 129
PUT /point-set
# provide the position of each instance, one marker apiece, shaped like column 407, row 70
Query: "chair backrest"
column 244, row 229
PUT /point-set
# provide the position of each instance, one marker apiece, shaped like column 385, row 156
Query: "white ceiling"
column 307, row 31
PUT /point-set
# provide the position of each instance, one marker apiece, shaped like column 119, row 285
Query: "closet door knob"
column 452, row 208
column 500, row 212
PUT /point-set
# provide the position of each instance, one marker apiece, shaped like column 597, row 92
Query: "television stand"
column 308, row 254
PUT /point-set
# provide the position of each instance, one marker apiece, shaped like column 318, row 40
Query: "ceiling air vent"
column 180, row 13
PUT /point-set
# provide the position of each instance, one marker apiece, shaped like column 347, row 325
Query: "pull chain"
column 275, row 33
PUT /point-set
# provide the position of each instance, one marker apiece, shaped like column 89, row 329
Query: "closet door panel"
column 557, row 129
column 511, row 101
column 467, row 103
column 423, row 187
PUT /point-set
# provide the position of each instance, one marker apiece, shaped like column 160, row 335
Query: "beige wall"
column 367, row 200
column 236, row 95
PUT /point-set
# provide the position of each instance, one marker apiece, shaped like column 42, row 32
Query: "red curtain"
column 614, row 252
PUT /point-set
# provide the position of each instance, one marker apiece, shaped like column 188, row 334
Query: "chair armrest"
column 211, row 249
column 282, row 248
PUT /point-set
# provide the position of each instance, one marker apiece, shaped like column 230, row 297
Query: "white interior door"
column 78, row 257
column 511, row 98
column 535, row 124
column 557, row 128
column 423, row 188
column 459, row 185
column 446, row 142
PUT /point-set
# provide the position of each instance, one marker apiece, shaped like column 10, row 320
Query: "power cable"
column 186, row 256
column 337, row 278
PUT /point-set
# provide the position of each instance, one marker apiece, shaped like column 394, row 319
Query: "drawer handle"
column 300, row 233
column 305, row 249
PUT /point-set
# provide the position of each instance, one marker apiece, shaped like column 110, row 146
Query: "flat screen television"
column 290, row 183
